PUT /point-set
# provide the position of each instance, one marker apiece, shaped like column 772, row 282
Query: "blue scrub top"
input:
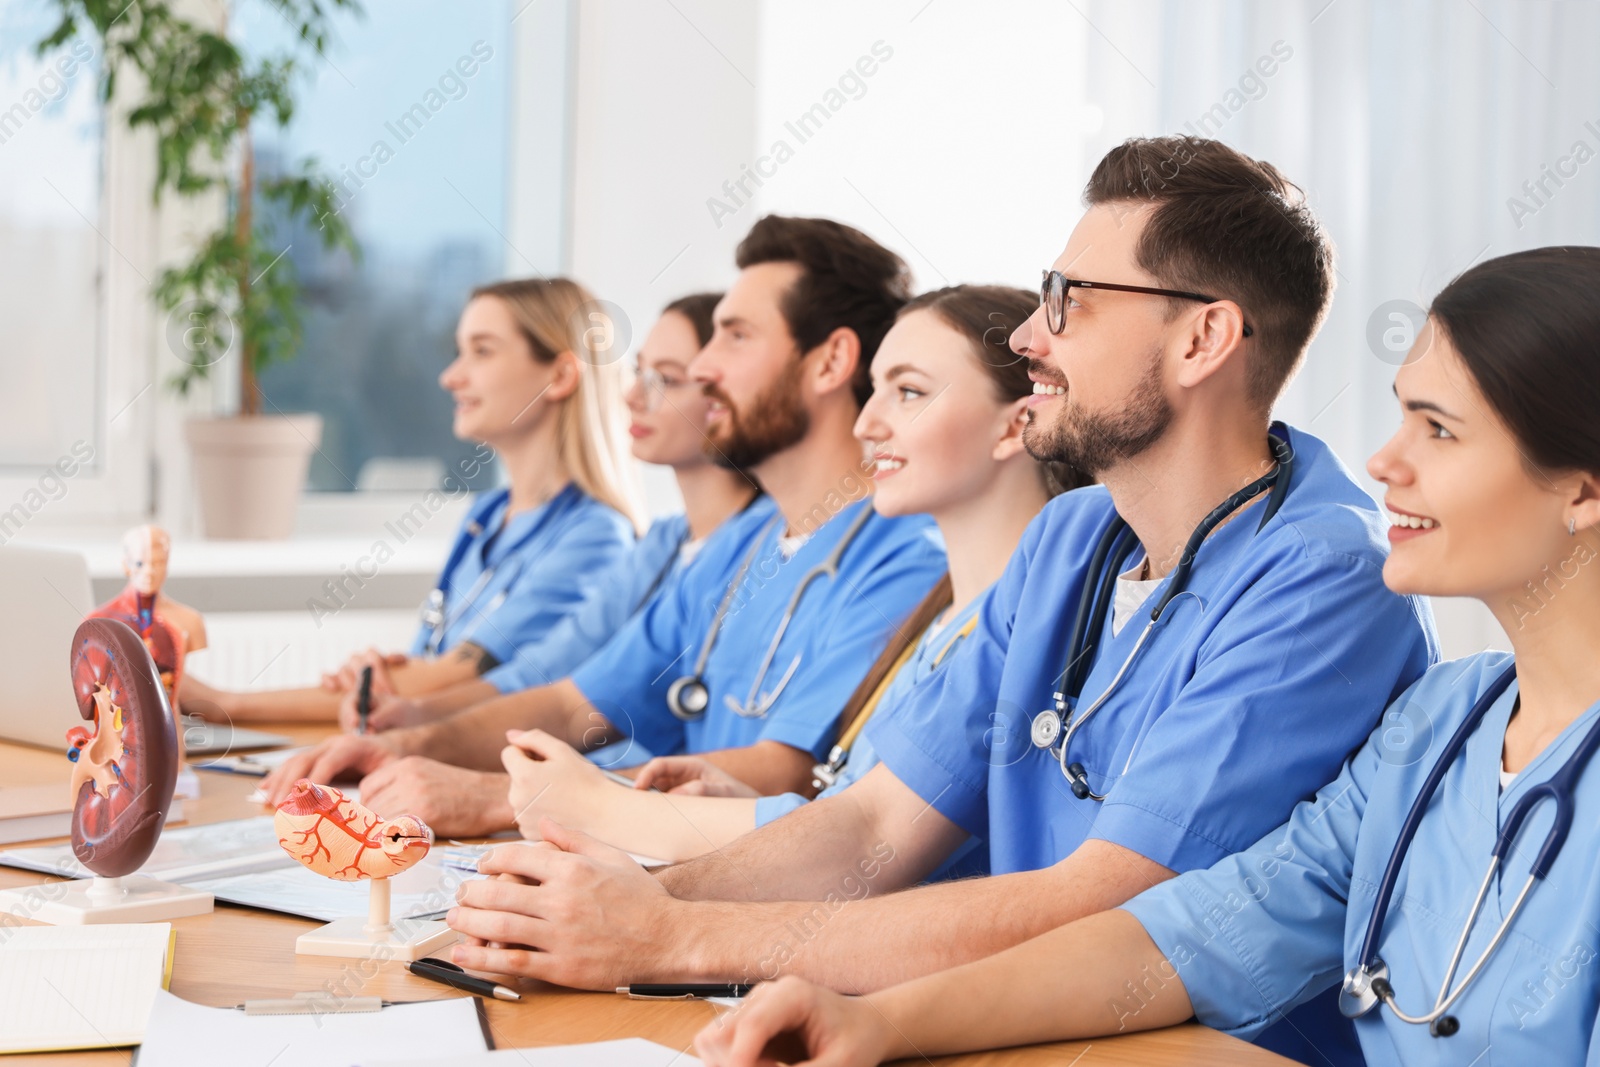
column 1246, row 698
column 1271, row 927
column 505, row 587
column 934, row 649
column 621, row 590
column 838, row 630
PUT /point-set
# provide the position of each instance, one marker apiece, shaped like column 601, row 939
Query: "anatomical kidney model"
column 124, row 769
column 338, row 838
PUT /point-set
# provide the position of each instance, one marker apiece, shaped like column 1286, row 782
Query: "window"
column 51, row 359
column 410, row 113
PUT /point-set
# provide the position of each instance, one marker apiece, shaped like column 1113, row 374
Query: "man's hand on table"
column 573, row 911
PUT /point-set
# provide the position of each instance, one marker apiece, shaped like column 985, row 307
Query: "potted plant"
column 238, row 297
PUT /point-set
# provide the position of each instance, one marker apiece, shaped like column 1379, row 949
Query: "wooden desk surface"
column 237, row 953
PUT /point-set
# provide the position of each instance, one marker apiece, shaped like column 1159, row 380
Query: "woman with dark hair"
column 943, row 426
column 1445, row 880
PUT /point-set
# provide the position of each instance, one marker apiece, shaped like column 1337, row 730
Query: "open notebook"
column 76, row 987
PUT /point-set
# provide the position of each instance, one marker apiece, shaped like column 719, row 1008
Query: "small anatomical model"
column 124, row 770
column 170, row 630
column 338, row 838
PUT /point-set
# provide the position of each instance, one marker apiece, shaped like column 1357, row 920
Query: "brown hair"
column 554, row 316
column 697, row 308
column 987, row 316
column 1231, row 227
column 847, row 280
column 1525, row 325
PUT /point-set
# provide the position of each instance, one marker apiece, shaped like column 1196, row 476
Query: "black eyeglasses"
column 1055, row 286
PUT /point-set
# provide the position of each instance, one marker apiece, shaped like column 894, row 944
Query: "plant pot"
column 250, row 471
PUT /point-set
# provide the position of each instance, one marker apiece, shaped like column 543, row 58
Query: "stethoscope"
column 1368, row 982
column 1116, row 544
column 688, row 697
column 436, row 619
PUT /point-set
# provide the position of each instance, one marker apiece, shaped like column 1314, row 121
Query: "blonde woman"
column 533, row 380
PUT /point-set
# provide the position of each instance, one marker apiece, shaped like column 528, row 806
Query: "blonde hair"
column 558, row 315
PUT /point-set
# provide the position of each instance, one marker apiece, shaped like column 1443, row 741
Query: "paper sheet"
column 67, row 987
column 632, row 1052
column 181, row 1034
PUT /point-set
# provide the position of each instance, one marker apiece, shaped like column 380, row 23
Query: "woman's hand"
column 690, row 776
column 347, row 679
column 550, row 778
column 835, row 1031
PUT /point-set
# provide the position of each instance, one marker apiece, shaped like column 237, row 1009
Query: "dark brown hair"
column 1527, row 326
column 1233, row 228
column 697, row 308
column 987, row 316
column 847, row 280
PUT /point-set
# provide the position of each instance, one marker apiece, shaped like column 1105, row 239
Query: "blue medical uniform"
column 620, row 591
column 933, row 650
column 1245, row 699
column 1283, row 921
column 506, row 583
column 839, row 628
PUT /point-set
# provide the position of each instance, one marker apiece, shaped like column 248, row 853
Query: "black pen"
column 364, row 699
column 684, row 991
column 451, row 975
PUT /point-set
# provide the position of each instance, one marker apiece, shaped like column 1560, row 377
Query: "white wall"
column 664, row 110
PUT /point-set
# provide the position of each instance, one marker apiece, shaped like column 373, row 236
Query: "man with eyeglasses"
column 1172, row 660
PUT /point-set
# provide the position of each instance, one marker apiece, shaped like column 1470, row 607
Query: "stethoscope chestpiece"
column 1359, row 993
column 688, row 698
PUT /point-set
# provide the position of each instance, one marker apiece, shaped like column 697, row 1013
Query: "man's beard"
column 1095, row 442
column 774, row 421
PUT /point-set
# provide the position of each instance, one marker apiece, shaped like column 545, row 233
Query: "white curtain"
column 1409, row 123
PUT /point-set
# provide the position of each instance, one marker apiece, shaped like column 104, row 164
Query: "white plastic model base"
column 130, row 899
column 375, row 936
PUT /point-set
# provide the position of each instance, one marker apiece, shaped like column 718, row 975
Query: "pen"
column 364, row 699
column 684, row 991
column 451, row 975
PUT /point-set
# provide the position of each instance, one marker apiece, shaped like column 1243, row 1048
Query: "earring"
column 1572, row 527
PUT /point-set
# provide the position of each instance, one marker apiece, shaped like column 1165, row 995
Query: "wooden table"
column 237, row 953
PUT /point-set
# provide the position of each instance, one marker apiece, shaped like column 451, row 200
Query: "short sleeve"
column 1262, row 931
column 582, row 631
column 1300, row 667
column 554, row 582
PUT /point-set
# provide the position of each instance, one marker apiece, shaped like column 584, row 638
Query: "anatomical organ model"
column 338, row 838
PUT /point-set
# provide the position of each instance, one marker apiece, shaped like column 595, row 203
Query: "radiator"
column 286, row 649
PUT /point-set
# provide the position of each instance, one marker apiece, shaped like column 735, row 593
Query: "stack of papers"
column 76, row 987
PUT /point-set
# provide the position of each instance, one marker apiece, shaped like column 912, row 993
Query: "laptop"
column 47, row 594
